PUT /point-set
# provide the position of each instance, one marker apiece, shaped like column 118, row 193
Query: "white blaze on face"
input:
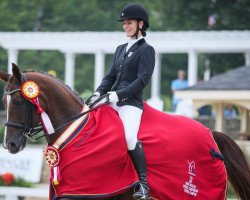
column 8, row 98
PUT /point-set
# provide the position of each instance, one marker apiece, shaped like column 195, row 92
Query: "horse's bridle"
column 29, row 122
column 26, row 127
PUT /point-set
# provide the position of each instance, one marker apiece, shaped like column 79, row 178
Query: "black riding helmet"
column 135, row 11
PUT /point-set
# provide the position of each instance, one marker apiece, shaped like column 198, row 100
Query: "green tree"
column 18, row 15
column 102, row 15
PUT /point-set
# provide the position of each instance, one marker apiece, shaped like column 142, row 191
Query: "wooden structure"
column 232, row 87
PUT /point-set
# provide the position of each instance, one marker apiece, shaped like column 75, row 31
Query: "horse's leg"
column 237, row 167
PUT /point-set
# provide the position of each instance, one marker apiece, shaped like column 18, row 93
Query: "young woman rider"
column 131, row 69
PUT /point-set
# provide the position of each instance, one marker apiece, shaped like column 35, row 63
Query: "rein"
column 95, row 105
column 29, row 131
column 67, row 122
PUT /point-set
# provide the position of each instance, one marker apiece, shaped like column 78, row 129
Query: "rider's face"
column 130, row 27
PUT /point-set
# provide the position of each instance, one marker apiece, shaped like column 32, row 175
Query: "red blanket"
column 179, row 164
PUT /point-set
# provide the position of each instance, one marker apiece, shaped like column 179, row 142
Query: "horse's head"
column 20, row 113
column 56, row 99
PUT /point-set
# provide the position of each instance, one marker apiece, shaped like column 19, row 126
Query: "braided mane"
column 75, row 94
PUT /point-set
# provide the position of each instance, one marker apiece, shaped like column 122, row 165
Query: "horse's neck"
column 64, row 109
column 59, row 115
column 61, row 105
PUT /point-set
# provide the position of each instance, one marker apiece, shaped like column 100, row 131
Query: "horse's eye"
column 18, row 102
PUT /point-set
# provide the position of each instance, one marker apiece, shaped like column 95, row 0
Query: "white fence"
column 27, row 165
column 12, row 193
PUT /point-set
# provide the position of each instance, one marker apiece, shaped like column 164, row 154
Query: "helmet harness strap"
column 139, row 29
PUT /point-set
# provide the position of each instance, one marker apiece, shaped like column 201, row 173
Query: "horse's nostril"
column 12, row 147
column 11, row 144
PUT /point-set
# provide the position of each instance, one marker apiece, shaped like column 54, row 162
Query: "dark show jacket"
column 129, row 73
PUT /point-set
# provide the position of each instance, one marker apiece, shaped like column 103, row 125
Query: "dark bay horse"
column 60, row 103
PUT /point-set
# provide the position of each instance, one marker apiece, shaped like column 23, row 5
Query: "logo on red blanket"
column 189, row 187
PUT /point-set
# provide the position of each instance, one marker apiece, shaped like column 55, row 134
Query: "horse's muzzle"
column 13, row 147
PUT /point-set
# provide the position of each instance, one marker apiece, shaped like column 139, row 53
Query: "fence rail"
column 12, row 193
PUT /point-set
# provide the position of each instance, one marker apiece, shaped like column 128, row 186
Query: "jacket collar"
column 134, row 46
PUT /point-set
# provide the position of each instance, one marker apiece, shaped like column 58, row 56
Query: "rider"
column 132, row 67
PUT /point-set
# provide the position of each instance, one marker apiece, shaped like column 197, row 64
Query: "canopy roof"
column 235, row 79
column 232, row 86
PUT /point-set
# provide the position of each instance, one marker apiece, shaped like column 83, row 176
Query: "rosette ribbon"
column 31, row 92
column 52, row 158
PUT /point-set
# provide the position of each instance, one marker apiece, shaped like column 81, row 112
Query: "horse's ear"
column 16, row 72
column 4, row 76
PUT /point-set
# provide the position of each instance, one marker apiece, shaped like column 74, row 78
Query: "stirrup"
column 143, row 196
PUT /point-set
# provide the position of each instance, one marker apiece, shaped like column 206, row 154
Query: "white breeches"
column 131, row 119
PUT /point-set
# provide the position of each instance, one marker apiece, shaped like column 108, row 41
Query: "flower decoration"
column 30, row 90
column 8, row 179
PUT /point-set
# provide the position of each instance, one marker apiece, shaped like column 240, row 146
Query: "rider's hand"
column 95, row 96
column 113, row 98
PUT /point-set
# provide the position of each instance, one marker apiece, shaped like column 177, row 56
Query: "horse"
column 87, row 150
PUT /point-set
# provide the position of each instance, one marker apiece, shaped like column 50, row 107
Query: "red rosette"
column 30, row 90
column 52, row 156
